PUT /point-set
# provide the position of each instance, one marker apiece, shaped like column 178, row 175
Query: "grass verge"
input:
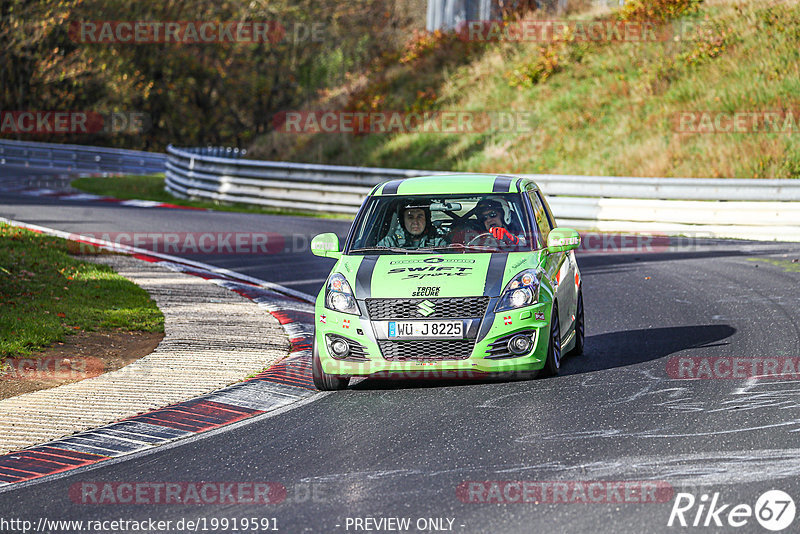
column 789, row 266
column 151, row 187
column 46, row 294
column 596, row 108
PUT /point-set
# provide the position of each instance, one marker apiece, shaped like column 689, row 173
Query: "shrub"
column 657, row 9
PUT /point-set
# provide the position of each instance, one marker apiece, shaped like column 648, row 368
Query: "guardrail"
column 332, row 189
column 79, row 157
column 735, row 208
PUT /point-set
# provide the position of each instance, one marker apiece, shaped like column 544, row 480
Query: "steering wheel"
column 485, row 239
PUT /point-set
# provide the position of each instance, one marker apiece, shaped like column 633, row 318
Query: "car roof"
column 453, row 183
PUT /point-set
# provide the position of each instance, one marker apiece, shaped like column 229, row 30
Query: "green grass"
column 605, row 109
column 140, row 187
column 46, row 294
column 151, row 187
column 789, row 266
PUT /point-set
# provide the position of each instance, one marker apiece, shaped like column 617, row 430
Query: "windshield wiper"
column 380, row 249
column 459, row 246
column 431, row 249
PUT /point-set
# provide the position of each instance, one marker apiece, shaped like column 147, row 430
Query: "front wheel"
column 579, row 327
column 322, row 380
column 553, row 362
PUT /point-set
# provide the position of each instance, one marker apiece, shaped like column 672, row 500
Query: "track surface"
column 385, row 449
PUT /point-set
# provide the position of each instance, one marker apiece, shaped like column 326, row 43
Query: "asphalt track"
column 384, row 449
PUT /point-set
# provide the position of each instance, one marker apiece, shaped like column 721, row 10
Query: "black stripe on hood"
column 363, row 287
column 391, row 187
column 493, row 286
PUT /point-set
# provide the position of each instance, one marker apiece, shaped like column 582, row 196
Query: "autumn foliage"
column 193, row 94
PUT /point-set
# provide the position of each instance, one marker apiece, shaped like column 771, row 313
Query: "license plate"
column 438, row 329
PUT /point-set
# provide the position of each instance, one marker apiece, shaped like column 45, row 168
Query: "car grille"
column 443, row 308
column 430, row 350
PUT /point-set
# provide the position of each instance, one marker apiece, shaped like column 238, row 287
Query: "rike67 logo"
column 774, row 510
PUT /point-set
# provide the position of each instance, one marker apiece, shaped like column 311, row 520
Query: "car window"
column 547, row 209
column 541, row 217
column 366, row 232
column 452, row 223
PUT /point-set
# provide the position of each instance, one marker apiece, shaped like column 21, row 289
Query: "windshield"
column 443, row 224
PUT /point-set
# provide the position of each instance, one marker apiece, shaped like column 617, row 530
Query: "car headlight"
column 521, row 291
column 339, row 296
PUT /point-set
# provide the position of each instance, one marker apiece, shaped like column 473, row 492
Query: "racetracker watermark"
column 183, row 32
column 243, row 243
column 786, row 121
column 547, row 31
column 236, row 243
column 398, row 122
column 564, row 492
column 594, row 31
column 195, row 32
column 51, row 368
column 733, row 368
column 175, row 493
column 610, row 243
column 73, row 122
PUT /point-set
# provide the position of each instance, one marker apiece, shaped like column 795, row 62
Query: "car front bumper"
column 366, row 358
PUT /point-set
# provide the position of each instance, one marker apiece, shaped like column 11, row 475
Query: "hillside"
column 680, row 105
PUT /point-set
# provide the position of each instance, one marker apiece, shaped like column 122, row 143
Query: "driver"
column 415, row 230
column 492, row 215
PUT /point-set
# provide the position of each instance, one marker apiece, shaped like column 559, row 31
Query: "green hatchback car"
column 451, row 274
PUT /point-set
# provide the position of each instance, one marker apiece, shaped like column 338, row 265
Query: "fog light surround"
column 520, row 344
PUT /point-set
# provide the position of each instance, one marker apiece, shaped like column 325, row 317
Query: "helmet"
column 495, row 203
column 415, row 204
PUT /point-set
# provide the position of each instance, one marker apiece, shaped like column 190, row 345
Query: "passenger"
column 415, row 230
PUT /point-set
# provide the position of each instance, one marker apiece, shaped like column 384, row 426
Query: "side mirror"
column 326, row 245
column 562, row 240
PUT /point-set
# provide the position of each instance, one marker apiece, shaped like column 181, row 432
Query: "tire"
column 552, row 364
column 579, row 327
column 322, row 380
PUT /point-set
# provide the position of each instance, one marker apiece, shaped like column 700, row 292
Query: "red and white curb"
column 88, row 197
column 284, row 383
column 62, row 195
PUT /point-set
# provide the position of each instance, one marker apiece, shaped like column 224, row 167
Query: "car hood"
column 432, row 275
